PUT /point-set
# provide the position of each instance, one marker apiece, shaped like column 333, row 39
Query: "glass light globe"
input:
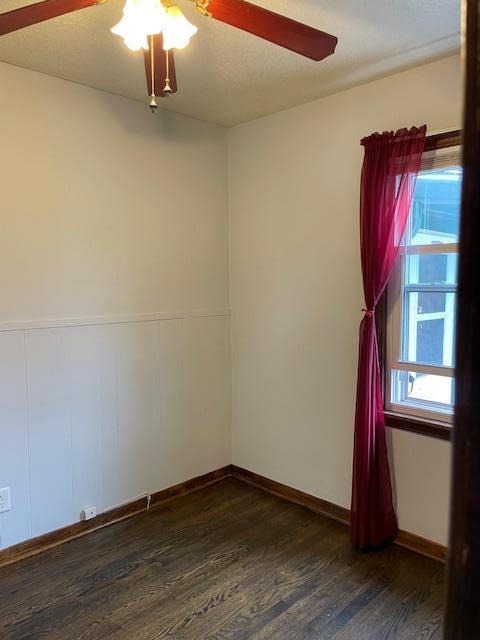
column 140, row 19
column 177, row 30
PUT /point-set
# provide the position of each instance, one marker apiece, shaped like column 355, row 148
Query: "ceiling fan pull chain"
column 153, row 102
column 167, row 89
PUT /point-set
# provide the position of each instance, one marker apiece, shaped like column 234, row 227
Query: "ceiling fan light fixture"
column 153, row 25
column 140, row 19
column 177, row 30
column 134, row 40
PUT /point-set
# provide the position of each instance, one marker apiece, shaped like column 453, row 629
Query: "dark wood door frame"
column 463, row 598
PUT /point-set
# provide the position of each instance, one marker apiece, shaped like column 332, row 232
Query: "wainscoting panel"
column 101, row 414
column 14, row 441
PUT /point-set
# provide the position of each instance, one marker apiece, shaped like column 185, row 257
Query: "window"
column 422, row 295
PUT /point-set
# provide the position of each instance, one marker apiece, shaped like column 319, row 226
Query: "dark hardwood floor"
column 227, row 562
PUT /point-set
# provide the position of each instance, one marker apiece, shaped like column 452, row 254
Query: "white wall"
column 295, row 291
column 114, row 366
column 114, row 328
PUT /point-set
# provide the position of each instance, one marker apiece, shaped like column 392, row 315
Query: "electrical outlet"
column 88, row 513
column 5, row 499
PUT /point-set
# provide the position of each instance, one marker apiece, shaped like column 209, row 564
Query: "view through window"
column 424, row 289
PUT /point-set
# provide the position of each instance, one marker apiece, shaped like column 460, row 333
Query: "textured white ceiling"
column 227, row 76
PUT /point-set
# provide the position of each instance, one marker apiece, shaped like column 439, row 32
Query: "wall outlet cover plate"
column 88, row 513
column 5, row 499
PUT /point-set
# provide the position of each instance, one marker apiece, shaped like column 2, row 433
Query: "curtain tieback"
column 370, row 313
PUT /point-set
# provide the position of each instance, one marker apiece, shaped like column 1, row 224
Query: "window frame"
column 413, row 419
column 394, row 338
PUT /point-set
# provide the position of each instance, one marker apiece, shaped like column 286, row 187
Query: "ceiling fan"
column 158, row 27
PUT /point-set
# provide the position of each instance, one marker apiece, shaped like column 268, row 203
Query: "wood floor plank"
column 349, row 579
column 263, row 591
column 229, row 562
column 185, row 598
column 106, row 586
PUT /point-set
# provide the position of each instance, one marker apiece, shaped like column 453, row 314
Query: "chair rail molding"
column 95, row 320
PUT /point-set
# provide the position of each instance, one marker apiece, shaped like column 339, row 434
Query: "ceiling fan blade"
column 39, row 12
column 270, row 26
column 159, row 67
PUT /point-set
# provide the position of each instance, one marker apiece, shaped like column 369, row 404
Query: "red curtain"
column 390, row 168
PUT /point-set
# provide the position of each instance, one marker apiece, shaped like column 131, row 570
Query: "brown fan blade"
column 270, row 26
column 159, row 68
column 34, row 13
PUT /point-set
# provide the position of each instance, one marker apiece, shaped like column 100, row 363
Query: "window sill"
column 428, row 428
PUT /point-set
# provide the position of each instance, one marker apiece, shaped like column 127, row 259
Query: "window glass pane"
column 435, row 214
column 430, row 302
column 423, row 390
column 429, row 328
column 426, row 291
column 431, row 268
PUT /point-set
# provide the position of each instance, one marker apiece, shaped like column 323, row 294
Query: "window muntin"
column 422, row 295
